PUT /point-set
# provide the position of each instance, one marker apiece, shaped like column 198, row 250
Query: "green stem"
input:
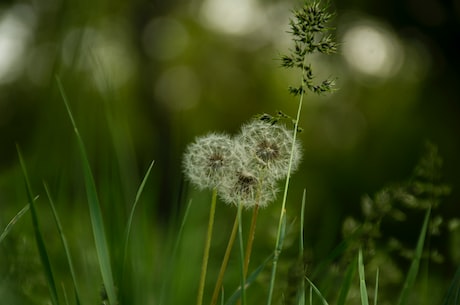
column 250, row 242
column 240, row 238
column 207, row 246
column 278, row 246
column 223, row 267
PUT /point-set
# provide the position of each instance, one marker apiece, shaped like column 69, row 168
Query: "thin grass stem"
column 376, row 293
column 282, row 217
column 207, row 246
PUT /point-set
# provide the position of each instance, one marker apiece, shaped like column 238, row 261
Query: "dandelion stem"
column 223, row 267
column 240, row 238
column 250, row 242
column 207, row 246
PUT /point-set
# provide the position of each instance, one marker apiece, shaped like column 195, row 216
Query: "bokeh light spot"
column 237, row 17
column 16, row 31
column 371, row 49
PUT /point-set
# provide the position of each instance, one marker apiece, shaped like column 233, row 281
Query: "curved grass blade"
column 130, row 220
column 166, row 283
column 65, row 245
column 316, row 290
column 44, row 258
column 362, row 279
column 15, row 219
column 413, row 270
column 94, row 209
column 301, row 290
column 453, row 294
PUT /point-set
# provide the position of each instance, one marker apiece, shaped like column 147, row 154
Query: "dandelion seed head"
column 209, row 158
column 246, row 188
column 269, row 146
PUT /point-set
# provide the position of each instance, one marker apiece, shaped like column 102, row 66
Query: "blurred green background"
column 145, row 77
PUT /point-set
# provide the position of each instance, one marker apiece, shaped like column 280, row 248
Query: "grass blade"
column 44, row 258
column 65, row 245
column 453, row 294
column 413, row 270
column 130, row 220
column 94, row 209
column 301, row 290
column 316, row 290
column 346, row 285
column 362, row 279
column 376, row 294
column 15, row 219
column 177, row 241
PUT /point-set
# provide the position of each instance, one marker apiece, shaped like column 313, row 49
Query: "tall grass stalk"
column 278, row 244
column 94, row 209
column 207, row 246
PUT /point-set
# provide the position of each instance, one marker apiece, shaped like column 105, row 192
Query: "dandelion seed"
column 269, row 146
column 209, row 159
